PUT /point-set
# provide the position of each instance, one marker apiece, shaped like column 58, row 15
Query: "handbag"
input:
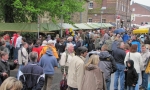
column 65, row 68
column 147, row 70
column 63, row 84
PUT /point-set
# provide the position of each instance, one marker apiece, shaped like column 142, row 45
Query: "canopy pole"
column 38, row 26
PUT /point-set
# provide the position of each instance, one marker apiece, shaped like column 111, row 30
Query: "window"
column 133, row 9
column 122, row 7
column 103, row 20
column 90, row 20
column 91, row 5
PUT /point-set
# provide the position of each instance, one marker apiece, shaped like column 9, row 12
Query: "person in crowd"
column 37, row 47
column 76, row 69
column 31, row 75
column 115, row 44
column 70, row 40
column 119, row 37
column 113, row 37
column 145, row 56
column 51, row 45
column 66, row 57
column 11, row 83
column 77, row 42
column 48, row 38
column 138, row 61
column 147, row 40
column 127, row 48
column 119, row 56
column 91, row 45
column 109, row 42
column 30, row 47
column 97, row 42
column 107, row 65
column 18, row 44
column 49, row 63
column 137, row 42
column 93, row 77
column 132, row 76
column 3, row 47
column 22, row 56
column 15, row 52
column 125, row 37
column 5, row 67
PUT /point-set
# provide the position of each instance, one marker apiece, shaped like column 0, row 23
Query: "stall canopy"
column 83, row 26
column 93, row 25
column 28, row 27
column 67, row 26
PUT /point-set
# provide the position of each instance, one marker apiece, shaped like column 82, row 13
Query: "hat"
column 70, row 37
column 50, row 41
column 44, row 43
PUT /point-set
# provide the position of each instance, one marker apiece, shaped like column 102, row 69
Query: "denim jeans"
column 137, row 85
column 108, row 81
column 119, row 73
column 15, row 56
column 130, row 88
column 148, row 82
column 144, row 80
column 18, row 75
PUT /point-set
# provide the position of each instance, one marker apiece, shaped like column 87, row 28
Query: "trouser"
column 48, row 82
column 18, row 75
column 119, row 73
column 130, row 88
column 144, row 80
column 15, row 56
column 70, row 88
column 137, row 85
column 108, row 81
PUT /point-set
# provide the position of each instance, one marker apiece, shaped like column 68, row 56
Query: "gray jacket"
column 107, row 64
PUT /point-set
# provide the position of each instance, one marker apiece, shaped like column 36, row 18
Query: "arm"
column 13, row 66
column 114, row 67
column 40, row 83
column 80, row 73
column 136, row 77
column 126, row 58
column 24, row 56
column 141, row 61
column 55, row 64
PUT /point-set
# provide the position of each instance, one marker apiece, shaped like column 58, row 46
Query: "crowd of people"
column 87, row 60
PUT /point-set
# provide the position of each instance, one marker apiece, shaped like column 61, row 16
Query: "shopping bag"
column 63, row 84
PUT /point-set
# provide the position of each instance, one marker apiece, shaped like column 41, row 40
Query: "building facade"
column 116, row 11
column 140, row 14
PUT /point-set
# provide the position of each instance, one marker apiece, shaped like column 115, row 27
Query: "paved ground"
column 58, row 78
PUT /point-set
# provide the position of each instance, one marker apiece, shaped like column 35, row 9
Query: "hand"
column 5, row 74
column 126, row 70
column 15, row 61
column 64, row 74
column 133, row 85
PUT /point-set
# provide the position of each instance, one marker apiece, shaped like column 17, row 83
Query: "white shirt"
column 18, row 41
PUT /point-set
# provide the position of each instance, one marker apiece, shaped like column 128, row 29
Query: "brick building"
column 114, row 9
column 140, row 13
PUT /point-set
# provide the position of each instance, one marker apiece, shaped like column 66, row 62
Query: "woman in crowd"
column 11, row 83
column 137, row 59
column 93, row 78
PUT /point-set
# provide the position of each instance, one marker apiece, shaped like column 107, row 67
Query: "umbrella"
column 120, row 30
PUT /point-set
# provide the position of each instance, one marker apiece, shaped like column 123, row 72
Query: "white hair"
column 69, row 45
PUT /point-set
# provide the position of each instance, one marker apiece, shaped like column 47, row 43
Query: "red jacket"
column 38, row 50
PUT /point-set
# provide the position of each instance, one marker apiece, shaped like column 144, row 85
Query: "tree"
column 28, row 10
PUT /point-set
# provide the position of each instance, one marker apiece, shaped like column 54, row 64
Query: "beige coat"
column 93, row 79
column 22, row 58
column 76, row 72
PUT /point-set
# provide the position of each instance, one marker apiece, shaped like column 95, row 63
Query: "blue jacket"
column 48, row 62
column 138, row 44
column 125, row 37
column 32, row 77
column 114, row 45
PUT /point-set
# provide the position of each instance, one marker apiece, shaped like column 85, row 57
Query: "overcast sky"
column 144, row 2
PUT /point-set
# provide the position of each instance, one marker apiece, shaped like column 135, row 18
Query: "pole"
column 101, row 18
column 38, row 26
column 61, row 31
column 80, row 16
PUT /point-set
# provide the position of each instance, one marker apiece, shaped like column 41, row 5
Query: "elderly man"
column 76, row 69
column 32, row 76
column 66, row 57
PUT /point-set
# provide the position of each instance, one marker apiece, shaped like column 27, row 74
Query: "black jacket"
column 119, row 55
column 32, row 77
column 5, row 67
column 132, row 76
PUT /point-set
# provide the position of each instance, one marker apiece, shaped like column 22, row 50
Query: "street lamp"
column 102, row 9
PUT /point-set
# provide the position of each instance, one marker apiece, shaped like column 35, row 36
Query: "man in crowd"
column 18, row 44
column 32, row 76
column 48, row 62
column 119, row 56
column 137, row 42
column 107, row 64
column 145, row 56
column 76, row 69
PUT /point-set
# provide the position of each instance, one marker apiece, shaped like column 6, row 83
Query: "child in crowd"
column 132, row 76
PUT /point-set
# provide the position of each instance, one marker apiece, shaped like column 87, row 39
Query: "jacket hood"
column 104, row 54
column 49, row 52
column 91, row 67
column 131, row 64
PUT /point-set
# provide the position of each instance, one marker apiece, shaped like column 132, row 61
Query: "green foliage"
column 28, row 10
